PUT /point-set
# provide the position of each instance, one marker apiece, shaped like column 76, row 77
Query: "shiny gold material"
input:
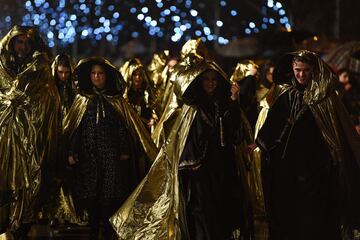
column 244, row 69
column 29, row 107
column 127, row 70
column 154, row 210
column 132, row 121
column 192, row 48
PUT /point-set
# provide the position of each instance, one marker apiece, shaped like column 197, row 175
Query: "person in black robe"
column 304, row 177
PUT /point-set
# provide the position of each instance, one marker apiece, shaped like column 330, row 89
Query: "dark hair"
column 63, row 60
column 264, row 70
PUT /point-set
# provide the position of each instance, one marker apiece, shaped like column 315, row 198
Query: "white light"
column 84, row 33
column 175, row 18
column 233, row 13
column 219, row 23
column 278, row 5
column 222, row 3
column 270, row 3
column 193, row 12
column 271, row 21
column 166, row 11
column 73, row 17
column 153, row 23
column 206, row 30
column 251, row 25
column 148, row 19
column 247, row 31
column 116, row 15
column 183, row 28
column 144, row 10
column 140, row 16
column 102, row 20
column 52, row 22
column 50, row 35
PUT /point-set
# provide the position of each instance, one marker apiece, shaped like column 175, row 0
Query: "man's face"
column 137, row 79
column 63, row 73
column 302, row 71
column 22, row 46
column 98, row 76
column 209, row 82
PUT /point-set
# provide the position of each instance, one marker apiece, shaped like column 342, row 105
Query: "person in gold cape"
column 29, row 110
column 245, row 72
column 194, row 189
column 311, row 154
column 60, row 209
column 138, row 91
column 108, row 145
column 172, row 103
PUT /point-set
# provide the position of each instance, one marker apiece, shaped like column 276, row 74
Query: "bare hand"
column 124, row 157
column 72, row 160
column 235, row 90
column 151, row 122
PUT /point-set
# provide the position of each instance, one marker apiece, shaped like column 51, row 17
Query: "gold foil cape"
column 192, row 48
column 127, row 70
column 243, row 69
column 155, row 209
column 335, row 126
column 29, row 108
column 132, row 120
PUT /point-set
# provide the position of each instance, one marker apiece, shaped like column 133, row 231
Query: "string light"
column 62, row 21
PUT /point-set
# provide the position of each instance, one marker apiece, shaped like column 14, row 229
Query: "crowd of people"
column 177, row 149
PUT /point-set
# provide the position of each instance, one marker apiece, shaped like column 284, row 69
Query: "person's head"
column 209, row 81
column 22, row 46
column 302, row 69
column 137, row 78
column 98, row 76
column 63, row 68
column 344, row 76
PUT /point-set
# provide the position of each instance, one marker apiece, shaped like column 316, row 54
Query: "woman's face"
column 63, row 72
column 98, row 76
column 209, row 82
column 137, row 78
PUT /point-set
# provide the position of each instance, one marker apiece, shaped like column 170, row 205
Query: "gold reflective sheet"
column 155, row 209
column 29, row 107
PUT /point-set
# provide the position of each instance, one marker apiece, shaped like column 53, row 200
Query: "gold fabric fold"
column 29, row 108
column 153, row 210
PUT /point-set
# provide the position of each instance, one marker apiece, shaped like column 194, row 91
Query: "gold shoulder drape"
column 29, row 108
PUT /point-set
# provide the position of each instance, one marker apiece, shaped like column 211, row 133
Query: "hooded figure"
column 138, row 91
column 311, row 163
column 194, row 189
column 29, row 120
column 170, row 101
column 109, row 146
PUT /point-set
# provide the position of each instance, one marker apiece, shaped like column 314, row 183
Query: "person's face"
column 302, row 72
column 63, row 72
column 98, row 76
column 209, row 82
column 22, row 46
column 344, row 77
column 137, row 79
column 269, row 75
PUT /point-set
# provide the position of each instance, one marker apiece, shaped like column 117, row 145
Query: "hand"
column 72, row 160
column 124, row 157
column 235, row 90
column 151, row 122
